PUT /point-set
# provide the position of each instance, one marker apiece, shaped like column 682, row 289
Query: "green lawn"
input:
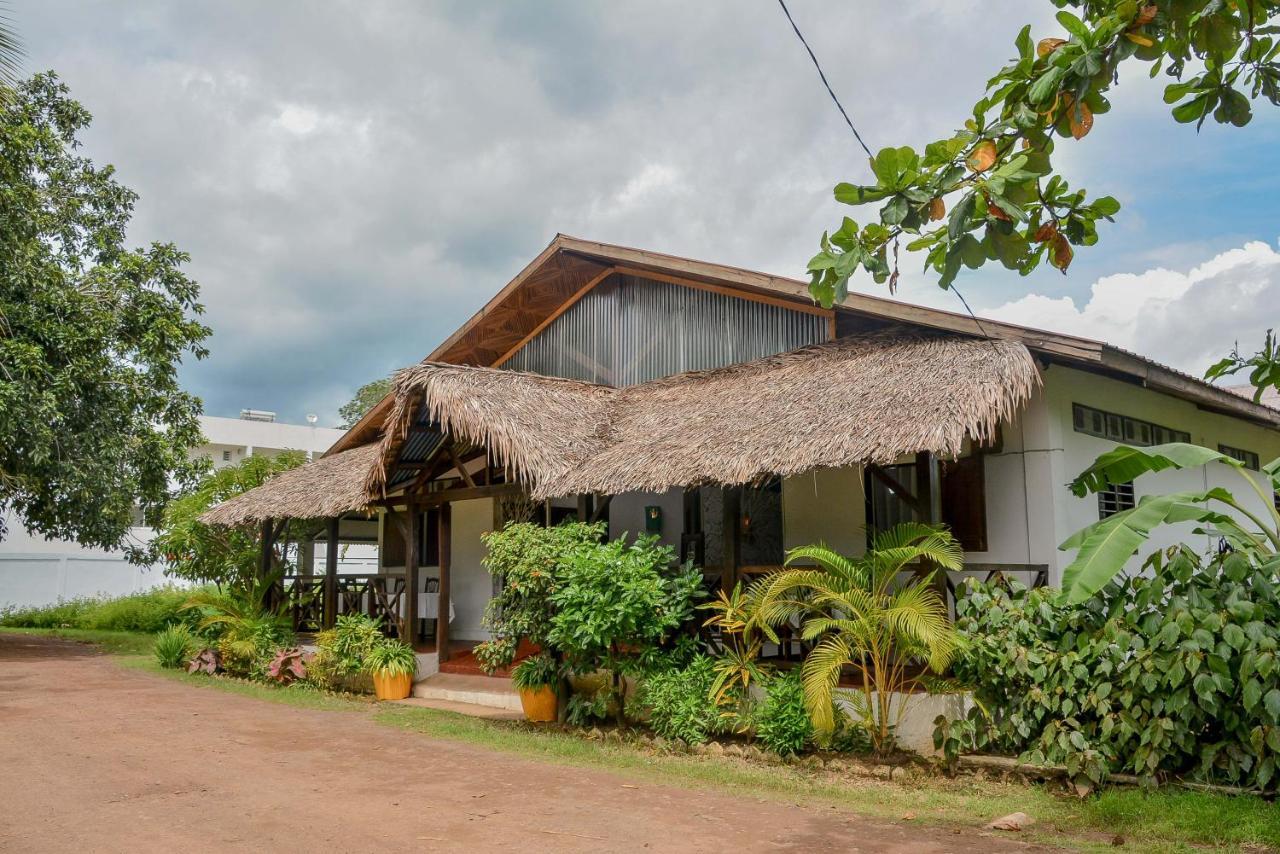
column 1164, row 821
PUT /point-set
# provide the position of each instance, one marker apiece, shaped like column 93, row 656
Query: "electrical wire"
column 982, row 329
column 816, row 65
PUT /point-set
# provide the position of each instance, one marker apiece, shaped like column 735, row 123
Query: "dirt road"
column 94, row 757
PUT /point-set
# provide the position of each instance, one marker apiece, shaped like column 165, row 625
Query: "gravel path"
column 94, row 757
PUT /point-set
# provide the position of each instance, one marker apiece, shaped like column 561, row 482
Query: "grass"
column 1163, row 821
column 148, row 611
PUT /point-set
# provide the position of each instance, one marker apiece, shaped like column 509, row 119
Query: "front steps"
column 488, row 691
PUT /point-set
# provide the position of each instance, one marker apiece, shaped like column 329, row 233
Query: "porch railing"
column 378, row 596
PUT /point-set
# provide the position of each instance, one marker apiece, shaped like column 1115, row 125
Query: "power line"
column 816, row 65
column 858, row 136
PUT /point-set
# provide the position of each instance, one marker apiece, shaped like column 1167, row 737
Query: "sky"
column 353, row 180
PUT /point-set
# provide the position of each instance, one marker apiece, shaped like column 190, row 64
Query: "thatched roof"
column 860, row 399
column 328, row 486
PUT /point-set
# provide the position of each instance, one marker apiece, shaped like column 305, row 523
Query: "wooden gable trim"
column 568, row 304
column 736, row 293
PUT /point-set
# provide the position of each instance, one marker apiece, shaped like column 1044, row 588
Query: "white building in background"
column 35, row 571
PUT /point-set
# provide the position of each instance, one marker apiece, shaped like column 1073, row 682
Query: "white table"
column 429, row 607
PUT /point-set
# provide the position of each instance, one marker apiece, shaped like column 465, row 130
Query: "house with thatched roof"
column 721, row 410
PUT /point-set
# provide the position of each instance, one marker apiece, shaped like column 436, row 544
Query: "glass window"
column 1122, row 428
column 1249, row 458
column 1119, row 496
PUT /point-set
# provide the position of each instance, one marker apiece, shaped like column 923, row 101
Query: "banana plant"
column 1104, row 547
column 860, row 613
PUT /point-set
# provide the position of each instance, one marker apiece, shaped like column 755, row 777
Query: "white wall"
column 470, row 585
column 1074, row 451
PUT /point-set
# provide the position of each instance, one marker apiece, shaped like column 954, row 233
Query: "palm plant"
column 1105, row 547
column 858, row 612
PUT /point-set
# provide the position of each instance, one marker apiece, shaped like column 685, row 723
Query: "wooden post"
column 446, row 555
column 584, row 506
column 267, row 537
column 731, row 534
column 412, row 534
column 331, row 576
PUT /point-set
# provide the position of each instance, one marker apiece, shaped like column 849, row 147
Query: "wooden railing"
column 378, row 596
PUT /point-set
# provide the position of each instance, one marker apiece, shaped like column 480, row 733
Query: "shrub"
column 341, row 651
column 617, row 605
column 527, row 558
column 287, row 666
column 391, row 658
column 1171, row 673
column 586, row 709
column 680, row 702
column 247, row 636
column 148, row 611
column 174, row 646
column 782, row 720
column 206, row 661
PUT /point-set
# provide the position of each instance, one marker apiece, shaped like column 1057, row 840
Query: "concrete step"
column 468, row 709
column 490, row 691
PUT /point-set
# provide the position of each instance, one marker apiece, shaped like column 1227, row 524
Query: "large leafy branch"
column 990, row 192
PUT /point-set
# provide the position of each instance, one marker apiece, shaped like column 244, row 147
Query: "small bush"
column 341, row 651
column 679, row 704
column 782, row 721
column 535, row 673
column 391, row 658
column 174, row 646
column 287, row 666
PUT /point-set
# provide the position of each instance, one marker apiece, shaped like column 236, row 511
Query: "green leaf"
column 1074, row 25
column 1106, row 206
column 958, row 223
column 1106, row 546
column 1046, row 84
column 1125, row 463
column 1272, row 704
column 852, row 194
column 1252, row 694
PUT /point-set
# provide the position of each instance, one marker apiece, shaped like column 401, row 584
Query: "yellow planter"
column 392, row 687
column 540, row 705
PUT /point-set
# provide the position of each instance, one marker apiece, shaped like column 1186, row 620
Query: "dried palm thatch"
column 866, row 398
column 329, row 486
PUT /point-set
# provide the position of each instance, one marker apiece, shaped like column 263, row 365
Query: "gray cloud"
column 353, row 180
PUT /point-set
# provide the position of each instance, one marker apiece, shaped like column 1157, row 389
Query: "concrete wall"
column 825, row 506
column 626, row 514
column 1073, row 452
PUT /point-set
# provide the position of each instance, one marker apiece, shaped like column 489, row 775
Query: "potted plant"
column 392, row 664
column 535, row 678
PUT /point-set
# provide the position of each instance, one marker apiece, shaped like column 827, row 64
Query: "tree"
column 93, row 424
column 228, row 557
column 858, row 613
column 10, row 55
column 1263, row 367
column 990, row 192
column 366, row 397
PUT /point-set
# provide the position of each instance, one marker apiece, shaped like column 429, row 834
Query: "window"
column 1113, row 499
column 891, row 496
column 1249, row 458
column 1122, row 428
column 226, row 456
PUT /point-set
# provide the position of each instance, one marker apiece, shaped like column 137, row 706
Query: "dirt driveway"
column 97, row 758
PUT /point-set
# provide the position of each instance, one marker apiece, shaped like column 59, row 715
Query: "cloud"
column 353, row 180
column 1185, row 319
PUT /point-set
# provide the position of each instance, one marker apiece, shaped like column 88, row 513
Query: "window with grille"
column 1113, row 499
column 226, row 456
column 1249, row 458
column 1122, row 428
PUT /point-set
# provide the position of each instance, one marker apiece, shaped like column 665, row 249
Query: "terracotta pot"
column 392, row 687
column 540, row 705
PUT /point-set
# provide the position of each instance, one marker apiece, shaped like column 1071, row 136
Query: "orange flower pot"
column 392, row 687
column 540, row 705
